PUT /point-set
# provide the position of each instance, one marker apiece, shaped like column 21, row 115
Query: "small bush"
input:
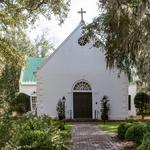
column 131, row 120
column 146, row 142
column 142, row 101
column 61, row 109
column 22, row 103
column 105, row 108
column 135, row 133
column 122, row 129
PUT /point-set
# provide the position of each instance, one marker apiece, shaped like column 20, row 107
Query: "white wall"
column 72, row 62
column 27, row 89
column 132, row 92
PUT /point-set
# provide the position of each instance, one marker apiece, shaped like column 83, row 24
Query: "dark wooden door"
column 82, row 104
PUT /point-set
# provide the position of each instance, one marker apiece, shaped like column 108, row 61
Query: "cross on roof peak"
column 82, row 12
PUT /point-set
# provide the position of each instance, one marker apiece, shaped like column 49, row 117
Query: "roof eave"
column 28, row 83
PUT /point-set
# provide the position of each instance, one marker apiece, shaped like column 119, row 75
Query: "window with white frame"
column 34, row 101
column 82, row 86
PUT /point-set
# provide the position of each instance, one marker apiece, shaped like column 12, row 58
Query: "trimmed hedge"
column 136, row 132
column 146, row 142
column 122, row 129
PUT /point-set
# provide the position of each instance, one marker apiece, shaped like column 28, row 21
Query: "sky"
column 55, row 33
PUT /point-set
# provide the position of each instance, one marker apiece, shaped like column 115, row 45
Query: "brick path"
column 88, row 137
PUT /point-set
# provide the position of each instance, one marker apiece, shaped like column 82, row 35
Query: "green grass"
column 109, row 127
column 68, row 126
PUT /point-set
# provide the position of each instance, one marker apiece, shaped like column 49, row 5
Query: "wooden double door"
column 82, row 105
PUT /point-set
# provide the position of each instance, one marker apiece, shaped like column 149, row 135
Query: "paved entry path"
column 86, row 136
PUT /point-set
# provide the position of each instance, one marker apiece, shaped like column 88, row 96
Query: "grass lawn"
column 109, row 127
column 68, row 126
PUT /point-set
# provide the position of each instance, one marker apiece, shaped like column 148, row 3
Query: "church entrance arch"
column 82, row 100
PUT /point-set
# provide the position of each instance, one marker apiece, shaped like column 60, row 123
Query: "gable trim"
column 28, row 83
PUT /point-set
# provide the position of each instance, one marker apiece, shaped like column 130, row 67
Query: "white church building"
column 77, row 74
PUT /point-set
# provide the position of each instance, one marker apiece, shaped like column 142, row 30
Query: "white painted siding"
column 27, row 89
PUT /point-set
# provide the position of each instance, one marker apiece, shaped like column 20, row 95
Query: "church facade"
column 78, row 75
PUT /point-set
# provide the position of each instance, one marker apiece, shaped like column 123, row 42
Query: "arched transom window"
column 82, row 86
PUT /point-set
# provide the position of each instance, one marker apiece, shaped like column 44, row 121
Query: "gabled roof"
column 29, row 70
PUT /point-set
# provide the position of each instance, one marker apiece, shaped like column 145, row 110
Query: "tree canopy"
column 123, row 30
column 10, row 74
column 142, row 103
column 17, row 15
column 43, row 47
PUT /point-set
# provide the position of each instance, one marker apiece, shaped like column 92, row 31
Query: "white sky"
column 56, row 34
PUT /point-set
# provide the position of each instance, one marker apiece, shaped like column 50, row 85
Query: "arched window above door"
column 82, row 86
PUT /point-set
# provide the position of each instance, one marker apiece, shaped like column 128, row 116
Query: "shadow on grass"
column 109, row 127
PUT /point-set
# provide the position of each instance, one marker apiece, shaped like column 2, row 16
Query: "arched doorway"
column 82, row 100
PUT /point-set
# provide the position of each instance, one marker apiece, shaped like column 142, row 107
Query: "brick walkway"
column 88, row 137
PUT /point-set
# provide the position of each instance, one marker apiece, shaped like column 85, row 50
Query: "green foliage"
column 142, row 101
column 131, row 120
column 122, row 29
column 136, row 133
column 5, row 126
column 43, row 47
column 22, row 42
column 10, row 54
column 61, row 109
column 148, row 126
column 23, row 103
column 104, row 108
column 17, row 16
column 60, row 125
column 9, row 85
column 10, row 73
column 30, row 132
column 122, row 129
column 146, row 142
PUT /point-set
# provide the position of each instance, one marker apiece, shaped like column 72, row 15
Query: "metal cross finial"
column 81, row 12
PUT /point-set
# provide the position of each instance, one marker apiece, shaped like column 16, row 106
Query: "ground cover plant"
column 30, row 132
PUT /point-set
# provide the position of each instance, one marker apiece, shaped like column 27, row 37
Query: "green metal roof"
column 28, row 73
